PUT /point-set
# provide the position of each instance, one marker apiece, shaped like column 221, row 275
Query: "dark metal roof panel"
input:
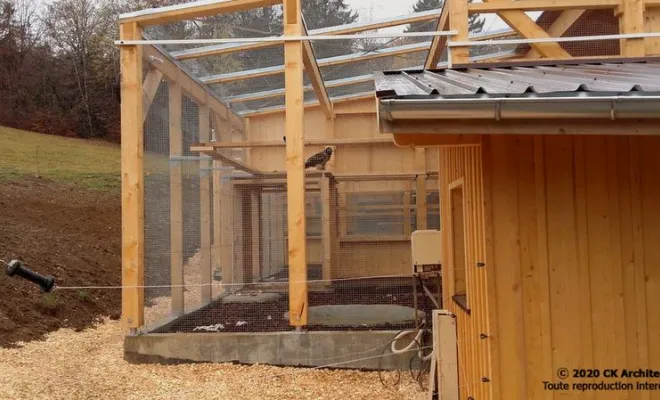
column 605, row 77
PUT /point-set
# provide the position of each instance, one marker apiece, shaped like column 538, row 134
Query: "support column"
column 631, row 20
column 421, row 205
column 256, row 233
column 294, row 124
column 326, row 228
column 132, row 179
column 458, row 21
column 176, row 200
column 205, row 208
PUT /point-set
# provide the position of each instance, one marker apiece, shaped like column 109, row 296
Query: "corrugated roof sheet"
column 613, row 77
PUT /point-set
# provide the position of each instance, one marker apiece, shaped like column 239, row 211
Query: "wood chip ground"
column 89, row 365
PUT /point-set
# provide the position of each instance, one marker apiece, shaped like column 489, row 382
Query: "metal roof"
column 509, row 79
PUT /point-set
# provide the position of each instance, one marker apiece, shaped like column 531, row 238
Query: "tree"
column 325, row 13
column 475, row 21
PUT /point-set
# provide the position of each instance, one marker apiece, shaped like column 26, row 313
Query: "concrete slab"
column 359, row 314
column 251, row 297
column 306, row 349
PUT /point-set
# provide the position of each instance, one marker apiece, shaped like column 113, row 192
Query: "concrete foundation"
column 311, row 349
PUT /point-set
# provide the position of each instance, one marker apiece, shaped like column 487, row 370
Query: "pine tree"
column 475, row 21
column 325, row 13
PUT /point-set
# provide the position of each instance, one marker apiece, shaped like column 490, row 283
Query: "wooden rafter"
column 323, row 62
column 439, row 42
column 191, row 85
column 542, row 5
column 197, row 9
column 149, row 89
column 225, row 159
column 267, row 94
column 521, row 23
column 314, row 74
column 353, row 142
column 333, row 30
column 310, row 104
column 562, row 24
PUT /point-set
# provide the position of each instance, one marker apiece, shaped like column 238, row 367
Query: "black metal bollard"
column 46, row 283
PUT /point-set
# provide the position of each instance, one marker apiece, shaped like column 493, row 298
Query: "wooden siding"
column 573, row 258
column 464, row 163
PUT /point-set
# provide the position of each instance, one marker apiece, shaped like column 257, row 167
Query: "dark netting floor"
column 263, row 310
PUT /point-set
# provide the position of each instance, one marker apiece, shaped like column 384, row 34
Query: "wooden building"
column 550, row 207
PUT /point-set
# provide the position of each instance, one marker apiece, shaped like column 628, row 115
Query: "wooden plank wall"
column 464, row 163
column 575, row 227
column 357, row 258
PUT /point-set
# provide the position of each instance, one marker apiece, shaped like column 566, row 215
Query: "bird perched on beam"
column 319, row 159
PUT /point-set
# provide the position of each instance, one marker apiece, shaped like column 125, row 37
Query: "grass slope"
column 90, row 164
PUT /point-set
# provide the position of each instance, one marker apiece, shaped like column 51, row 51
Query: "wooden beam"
column 336, row 101
column 631, row 20
column 205, row 175
column 255, row 237
column 651, row 3
column 132, row 179
column 323, row 62
column 314, row 74
column 458, row 21
column 203, row 94
column 422, row 140
column 267, row 94
column 420, row 198
column 227, row 160
column 176, row 200
column 326, row 229
column 446, row 354
column 455, row 128
column 542, row 5
column 439, row 42
column 352, row 142
column 295, row 146
column 521, row 23
column 562, row 24
column 192, row 10
column 149, row 89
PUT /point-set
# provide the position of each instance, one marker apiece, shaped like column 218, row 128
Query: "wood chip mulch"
column 89, row 365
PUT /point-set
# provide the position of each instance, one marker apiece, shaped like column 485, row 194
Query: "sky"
column 377, row 9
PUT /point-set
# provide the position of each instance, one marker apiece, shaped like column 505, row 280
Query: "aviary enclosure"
column 222, row 224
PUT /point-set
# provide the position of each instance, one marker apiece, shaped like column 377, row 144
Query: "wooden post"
column 227, row 231
column 631, row 20
column 132, row 179
column 256, row 233
column 407, row 218
column 222, row 250
column 421, row 202
column 326, row 228
column 176, row 199
column 205, row 208
column 216, row 251
column 294, row 124
column 445, row 353
column 458, row 21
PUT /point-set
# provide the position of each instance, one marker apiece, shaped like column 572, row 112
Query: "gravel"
column 89, row 365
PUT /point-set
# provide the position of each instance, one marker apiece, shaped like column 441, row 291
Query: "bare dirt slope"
column 69, row 232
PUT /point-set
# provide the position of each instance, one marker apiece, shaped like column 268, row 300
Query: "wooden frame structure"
column 233, row 128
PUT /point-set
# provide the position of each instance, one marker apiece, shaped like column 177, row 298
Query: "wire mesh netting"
column 216, row 229
column 216, row 237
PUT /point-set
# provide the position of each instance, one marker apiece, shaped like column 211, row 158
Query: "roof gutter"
column 500, row 108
